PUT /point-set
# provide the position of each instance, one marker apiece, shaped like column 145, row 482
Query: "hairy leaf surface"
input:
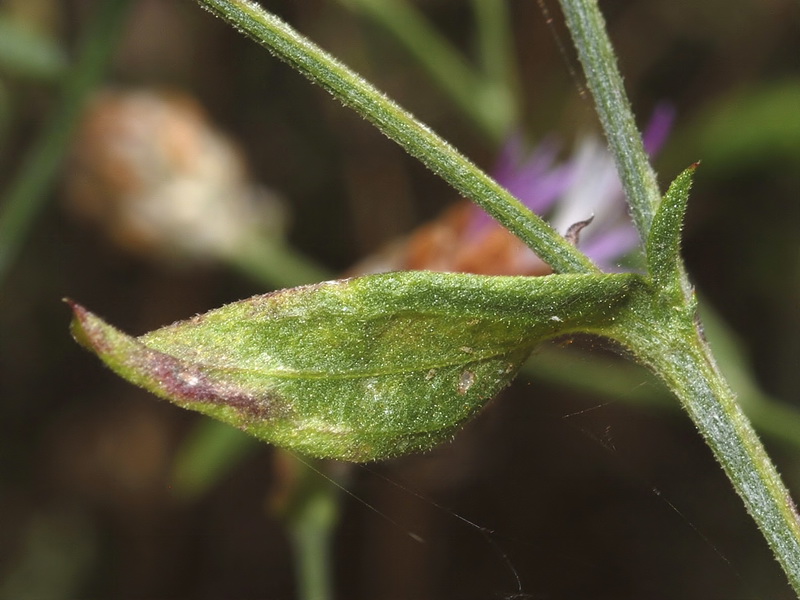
column 362, row 368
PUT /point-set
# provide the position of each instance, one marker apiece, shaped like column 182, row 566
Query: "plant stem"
column 311, row 530
column 399, row 125
column 662, row 332
column 274, row 263
column 674, row 348
column 605, row 82
column 445, row 65
column 496, row 52
column 678, row 354
column 28, row 193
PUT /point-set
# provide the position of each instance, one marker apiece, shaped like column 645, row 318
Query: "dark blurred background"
column 569, row 495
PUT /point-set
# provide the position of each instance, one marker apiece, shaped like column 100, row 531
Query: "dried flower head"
column 153, row 172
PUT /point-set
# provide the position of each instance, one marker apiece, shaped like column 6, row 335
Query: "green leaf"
column 767, row 130
column 664, row 241
column 363, row 368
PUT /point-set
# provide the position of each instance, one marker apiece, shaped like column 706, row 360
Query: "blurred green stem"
column 311, row 519
column 206, row 454
column 484, row 97
column 498, row 62
column 6, row 112
column 271, row 261
column 28, row 193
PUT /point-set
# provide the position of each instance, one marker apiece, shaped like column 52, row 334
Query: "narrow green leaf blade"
column 362, row 368
column 663, row 243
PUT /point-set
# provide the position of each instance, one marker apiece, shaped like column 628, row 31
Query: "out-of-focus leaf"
column 755, row 125
column 28, row 53
column 362, row 368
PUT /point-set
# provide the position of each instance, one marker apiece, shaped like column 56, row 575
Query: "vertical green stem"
column 684, row 362
column 496, row 52
column 605, row 82
column 28, row 193
column 311, row 514
column 312, row 538
column 665, row 337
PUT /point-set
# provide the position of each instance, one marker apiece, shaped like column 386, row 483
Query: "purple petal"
column 511, row 155
column 532, row 180
column 540, row 194
column 595, row 189
column 612, row 244
column 659, row 128
column 514, row 158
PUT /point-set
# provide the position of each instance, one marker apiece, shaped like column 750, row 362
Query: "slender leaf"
column 663, row 244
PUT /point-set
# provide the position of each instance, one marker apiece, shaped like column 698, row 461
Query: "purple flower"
column 584, row 186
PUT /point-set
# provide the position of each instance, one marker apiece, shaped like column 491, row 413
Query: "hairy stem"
column 678, row 354
column 399, row 125
column 663, row 333
column 605, row 82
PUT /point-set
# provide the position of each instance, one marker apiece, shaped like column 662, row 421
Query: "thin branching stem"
column 659, row 327
column 399, row 125
column 664, row 334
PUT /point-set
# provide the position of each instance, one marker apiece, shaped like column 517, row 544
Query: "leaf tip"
column 663, row 243
column 84, row 326
column 185, row 383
